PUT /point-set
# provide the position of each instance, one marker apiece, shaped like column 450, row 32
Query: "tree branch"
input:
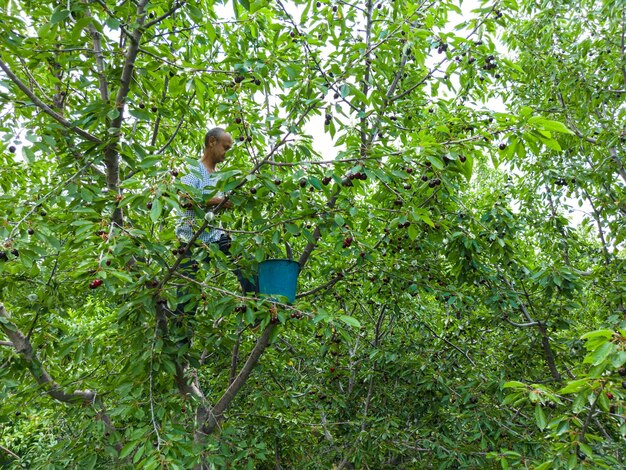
column 596, row 217
column 370, row 389
column 12, row 454
column 111, row 154
column 214, row 416
column 449, row 343
column 97, row 51
column 520, row 325
column 177, row 5
column 44, row 107
column 592, row 409
column 234, row 359
column 180, row 123
column 24, row 348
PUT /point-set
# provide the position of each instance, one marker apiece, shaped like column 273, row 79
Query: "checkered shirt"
column 188, row 223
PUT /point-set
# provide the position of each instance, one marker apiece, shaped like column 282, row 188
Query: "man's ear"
column 212, row 141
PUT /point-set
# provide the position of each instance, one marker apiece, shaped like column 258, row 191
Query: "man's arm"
column 214, row 201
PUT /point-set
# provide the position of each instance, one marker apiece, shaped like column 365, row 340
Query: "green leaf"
column 574, row 386
column 585, row 449
column 605, row 334
column 545, row 466
column 547, row 124
column 350, row 321
column 619, row 359
column 437, row 163
column 128, row 448
column 245, row 4
column 514, row 384
column 540, row 417
column 600, row 354
column 59, row 15
column 155, row 211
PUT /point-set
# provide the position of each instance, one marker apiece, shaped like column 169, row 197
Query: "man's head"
column 216, row 143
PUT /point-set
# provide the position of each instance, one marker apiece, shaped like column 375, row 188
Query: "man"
column 216, row 143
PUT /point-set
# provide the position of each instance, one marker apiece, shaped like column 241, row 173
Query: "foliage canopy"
column 461, row 296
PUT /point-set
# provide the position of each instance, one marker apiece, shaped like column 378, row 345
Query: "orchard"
column 449, row 177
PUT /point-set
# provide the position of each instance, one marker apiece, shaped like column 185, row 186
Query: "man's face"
column 221, row 146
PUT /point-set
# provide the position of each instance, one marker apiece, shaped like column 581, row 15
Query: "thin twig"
column 44, row 107
column 154, row 423
column 12, row 454
column 180, row 123
column 46, row 196
column 178, row 4
column 449, row 343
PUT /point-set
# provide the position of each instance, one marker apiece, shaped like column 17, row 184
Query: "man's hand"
column 214, row 201
column 227, row 204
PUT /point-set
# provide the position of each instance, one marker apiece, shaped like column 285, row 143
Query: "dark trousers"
column 190, row 269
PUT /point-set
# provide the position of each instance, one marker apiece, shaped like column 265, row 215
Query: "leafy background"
column 461, row 298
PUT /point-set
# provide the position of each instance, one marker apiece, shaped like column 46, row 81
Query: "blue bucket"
column 279, row 277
